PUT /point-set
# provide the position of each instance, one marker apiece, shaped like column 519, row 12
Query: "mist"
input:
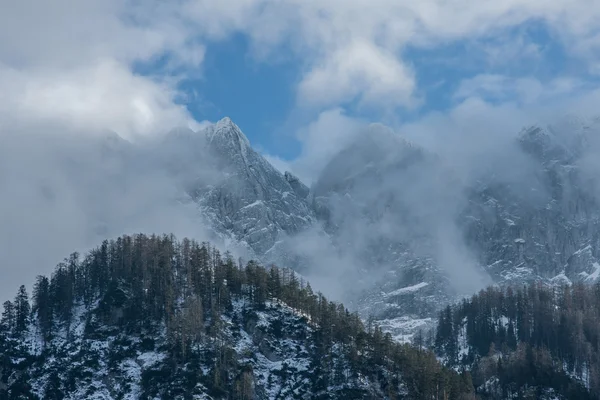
column 385, row 198
column 65, row 191
column 410, row 190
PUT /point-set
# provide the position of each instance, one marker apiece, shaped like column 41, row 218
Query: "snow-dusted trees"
column 530, row 336
column 22, row 311
column 41, row 306
column 141, row 286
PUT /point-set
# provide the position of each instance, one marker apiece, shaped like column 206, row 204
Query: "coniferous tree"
column 42, row 307
column 22, row 310
column 7, row 322
column 134, row 287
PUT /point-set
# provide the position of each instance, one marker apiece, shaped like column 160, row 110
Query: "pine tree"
column 7, row 322
column 22, row 310
column 41, row 304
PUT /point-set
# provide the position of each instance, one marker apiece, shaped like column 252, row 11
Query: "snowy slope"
column 383, row 216
column 253, row 202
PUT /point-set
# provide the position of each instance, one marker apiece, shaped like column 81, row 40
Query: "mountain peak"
column 226, row 135
column 225, row 121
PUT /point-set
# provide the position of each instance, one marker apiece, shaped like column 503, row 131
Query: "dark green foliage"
column 135, row 288
column 536, row 336
column 41, row 306
column 22, row 311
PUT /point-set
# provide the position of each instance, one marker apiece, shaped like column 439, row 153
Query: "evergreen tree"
column 42, row 307
column 128, row 290
column 22, row 310
column 7, row 322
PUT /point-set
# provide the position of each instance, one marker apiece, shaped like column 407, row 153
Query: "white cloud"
column 72, row 63
column 524, row 90
column 103, row 96
column 321, row 140
column 360, row 70
column 67, row 192
column 350, row 50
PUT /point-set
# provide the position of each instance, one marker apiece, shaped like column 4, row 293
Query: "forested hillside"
column 520, row 343
column 149, row 317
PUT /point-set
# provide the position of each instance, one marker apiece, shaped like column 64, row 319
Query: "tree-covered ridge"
column 520, row 341
column 152, row 317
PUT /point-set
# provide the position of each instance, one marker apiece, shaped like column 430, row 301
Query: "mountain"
column 253, row 202
column 401, row 230
column 148, row 317
column 393, row 229
column 427, row 236
column 549, row 229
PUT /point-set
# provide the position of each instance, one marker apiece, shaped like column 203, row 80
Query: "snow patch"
column 256, row 203
column 407, row 289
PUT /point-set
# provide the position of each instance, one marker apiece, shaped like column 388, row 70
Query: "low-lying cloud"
column 63, row 192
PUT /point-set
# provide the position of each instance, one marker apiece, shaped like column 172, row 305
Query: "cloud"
column 348, row 51
column 526, row 90
column 86, row 99
column 361, row 70
column 352, row 50
column 64, row 192
column 320, row 140
column 75, row 64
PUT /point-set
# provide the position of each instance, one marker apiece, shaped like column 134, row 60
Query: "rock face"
column 552, row 234
column 388, row 227
column 252, row 202
column 367, row 198
column 412, row 236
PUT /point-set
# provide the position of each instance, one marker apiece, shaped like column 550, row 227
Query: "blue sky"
column 296, row 75
column 260, row 96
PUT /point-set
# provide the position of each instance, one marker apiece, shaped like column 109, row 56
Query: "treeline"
column 141, row 284
column 533, row 336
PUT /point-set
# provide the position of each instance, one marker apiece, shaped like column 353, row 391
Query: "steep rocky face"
column 423, row 238
column 299, row 188
column 390, row 223
column 385, row 201
column 252, row 202
column 552, row 234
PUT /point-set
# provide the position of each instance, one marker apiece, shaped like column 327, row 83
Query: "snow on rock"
column 407, row 289
column 253, row 202
column 561, row 279
column 404, row 329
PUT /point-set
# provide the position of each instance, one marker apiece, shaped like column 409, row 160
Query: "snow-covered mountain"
column 253, row 202
column 436, row 236
column 399, row 229
column 394, row 230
